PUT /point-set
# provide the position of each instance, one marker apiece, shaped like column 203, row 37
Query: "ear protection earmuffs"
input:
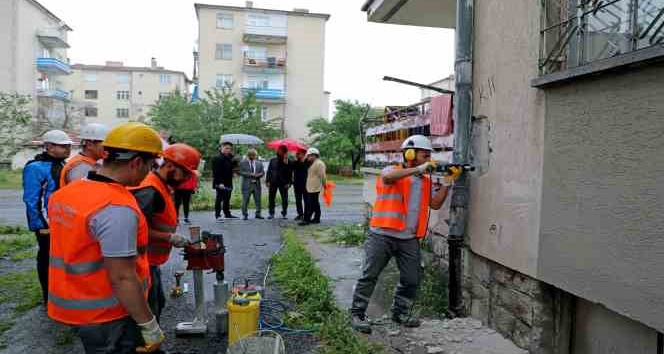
column 409, row 155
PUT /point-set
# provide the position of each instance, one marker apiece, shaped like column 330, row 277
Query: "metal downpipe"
column 463, row 100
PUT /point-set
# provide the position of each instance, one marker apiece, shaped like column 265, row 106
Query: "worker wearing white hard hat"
column 316, row 179
column 399, row 218
column 91, row 153
column 40, row 180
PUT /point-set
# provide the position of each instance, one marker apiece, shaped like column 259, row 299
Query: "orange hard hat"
column 183, row 155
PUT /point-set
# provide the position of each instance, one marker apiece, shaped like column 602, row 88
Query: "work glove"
column 426, row 167
column 152, row 336
column 179, row 241
column 453, row 175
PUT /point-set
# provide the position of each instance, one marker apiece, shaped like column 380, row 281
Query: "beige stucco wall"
column 7, row 23
column 304, row 54
column 144, row 87
column 306, row 61
column 507, row 195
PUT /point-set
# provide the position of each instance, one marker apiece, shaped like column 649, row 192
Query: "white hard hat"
column 57, row 137
column 313, row 151
column 94, row 131
column 417, row 142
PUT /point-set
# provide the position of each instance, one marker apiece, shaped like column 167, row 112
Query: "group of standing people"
column 105, row 220
column 306, row 174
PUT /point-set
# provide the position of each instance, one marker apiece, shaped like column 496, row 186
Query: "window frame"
column 96, row 94
column 121, row 109
column 165, row 82
column 221, row 16
column 223, row 51
column 87, row 112
column 122, row 95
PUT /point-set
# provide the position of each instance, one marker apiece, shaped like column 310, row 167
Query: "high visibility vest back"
column 391, row 207
column 165, row 221
column 73, row 162
column 79, row 289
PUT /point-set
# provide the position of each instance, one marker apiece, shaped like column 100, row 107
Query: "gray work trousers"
column 116, row 337
column 255, row 191
column 379, row 250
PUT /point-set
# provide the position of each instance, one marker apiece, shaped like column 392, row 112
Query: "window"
column 576, row 33
column 224, row 51
column 264, row 116
column 122, row 95
column 122, row 77
column 90, row 77
column 224, row 81
column 165, row 79
column 254, row 52
column 122, row 112
column 257, row 82
column 163, row 95
column 90, row 111
column 258, row 20
column 224, row 20
column 91, row 94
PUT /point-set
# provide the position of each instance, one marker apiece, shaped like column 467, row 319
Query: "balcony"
column 269, row 65
column 55, row 94
column 52, row 38
column 265, row 34
column 266, row 95
column 53, row 66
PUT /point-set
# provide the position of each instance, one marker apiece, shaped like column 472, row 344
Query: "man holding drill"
column 155, row 200
column 399, row 219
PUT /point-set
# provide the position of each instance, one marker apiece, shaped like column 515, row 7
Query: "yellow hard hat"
column 134, row 136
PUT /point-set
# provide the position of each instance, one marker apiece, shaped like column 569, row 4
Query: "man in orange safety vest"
column 399, row 218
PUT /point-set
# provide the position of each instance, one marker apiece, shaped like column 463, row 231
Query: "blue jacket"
column 41, row 177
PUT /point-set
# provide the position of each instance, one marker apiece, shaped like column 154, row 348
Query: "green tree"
column 341, row 136
column 15, row 116
column 202, row 123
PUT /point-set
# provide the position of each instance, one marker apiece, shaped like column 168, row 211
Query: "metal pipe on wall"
column 463, row 101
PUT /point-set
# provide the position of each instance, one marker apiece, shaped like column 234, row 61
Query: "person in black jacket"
column 223, row 167
column 279, row 177
column 300, row 168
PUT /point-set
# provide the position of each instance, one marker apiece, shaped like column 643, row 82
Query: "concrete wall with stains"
column 505, row 193
column 602, row 235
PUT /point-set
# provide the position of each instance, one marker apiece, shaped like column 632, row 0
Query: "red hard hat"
column 183, row 155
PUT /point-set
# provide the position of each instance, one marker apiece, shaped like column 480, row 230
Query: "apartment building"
column 277, row 55
column 33, row 61
column 563, row 250
column 114, row 93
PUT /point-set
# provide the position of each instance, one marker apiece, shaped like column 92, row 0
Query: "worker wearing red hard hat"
column 154, row 199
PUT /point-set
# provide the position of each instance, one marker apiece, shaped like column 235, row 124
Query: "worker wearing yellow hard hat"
column 99, row 263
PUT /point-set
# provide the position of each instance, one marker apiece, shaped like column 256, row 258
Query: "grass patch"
column 65, row 337
column 17, row 247
column 11, row 179
column 348, row 234
column 349, row 181
column 21, row 288
column 23, row 255
column 303, row 284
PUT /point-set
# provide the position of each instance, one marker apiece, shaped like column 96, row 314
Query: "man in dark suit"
column 251, row 171
column 279, row 178
column 223, row 166
column 300, row 168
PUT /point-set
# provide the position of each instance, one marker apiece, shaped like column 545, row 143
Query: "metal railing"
column 267, row 62
column 265, row 94
column 53, row 66
column 577, row 32
column 53, row 93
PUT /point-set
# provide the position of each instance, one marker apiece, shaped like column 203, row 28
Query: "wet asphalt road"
column 249, row 246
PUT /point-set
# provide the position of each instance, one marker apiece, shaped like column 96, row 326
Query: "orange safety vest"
column 391, row 207
column 79, row 289
column 73, row 162
column 165, row 221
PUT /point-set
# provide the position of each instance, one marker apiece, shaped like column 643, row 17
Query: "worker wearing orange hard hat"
column 154, row 197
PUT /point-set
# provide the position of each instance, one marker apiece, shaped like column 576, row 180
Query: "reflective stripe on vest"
column 80, row 291
column 390, row 211
column 76, row 268
column 73, row 162
column 85, row 304
column 165, row 221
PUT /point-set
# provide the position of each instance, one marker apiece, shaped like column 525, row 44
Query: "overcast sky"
column 357, row 53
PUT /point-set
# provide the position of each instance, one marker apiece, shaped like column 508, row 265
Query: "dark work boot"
column 406, row 320
column 360, row 322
